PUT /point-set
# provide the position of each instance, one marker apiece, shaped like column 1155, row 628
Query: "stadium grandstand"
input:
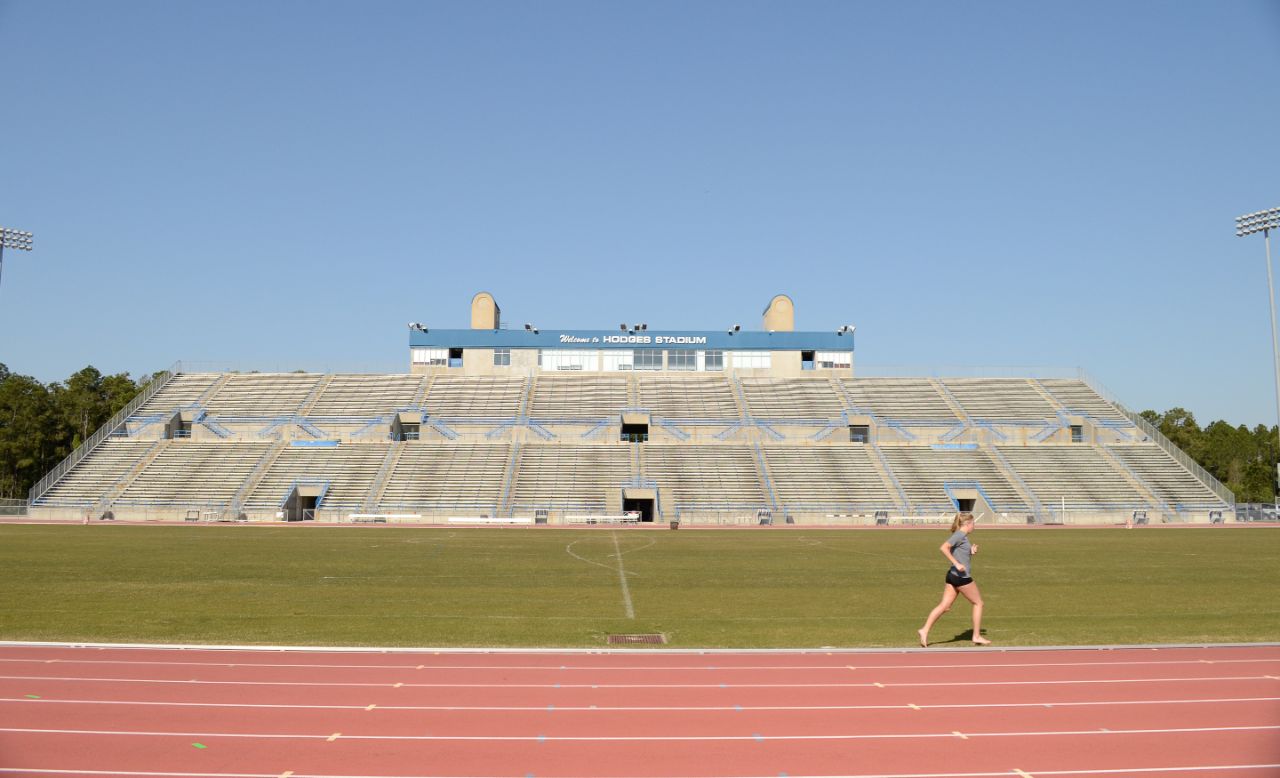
column 499, row 424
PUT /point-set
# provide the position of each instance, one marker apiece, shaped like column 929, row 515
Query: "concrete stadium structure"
column 497, row 424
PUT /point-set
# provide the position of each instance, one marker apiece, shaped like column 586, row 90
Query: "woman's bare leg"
column 971, row 593
column 948, row 597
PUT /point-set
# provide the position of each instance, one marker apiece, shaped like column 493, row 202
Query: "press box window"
column 682, row 359
column 648, row 359
column 557, row 359
column 752, row 359
column 617, row 360
column 713, row 360
column 837, row 360
column 430, row 356
column 502, row 357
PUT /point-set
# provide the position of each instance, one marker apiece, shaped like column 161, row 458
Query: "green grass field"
column 550, row 587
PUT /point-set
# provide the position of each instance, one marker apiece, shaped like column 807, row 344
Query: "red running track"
column 1211, row 711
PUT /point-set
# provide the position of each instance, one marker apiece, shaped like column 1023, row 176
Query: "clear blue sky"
column 288, row 183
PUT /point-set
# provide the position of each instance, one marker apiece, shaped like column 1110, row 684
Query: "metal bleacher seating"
column 792, row 398
column 1077, row 396
column 568, row 477
column 512, row 443
column 578, row 396
column 687, row 397
column 832, row 478
column 89, row 482
column 923, row 473
column 694, row 477
column 910, row 399
column 441, row 477
column 262, row 395
column 348, row 470
column 193, row 473
column 1005, row 399
column 475, row 396
column 182, row 390
column 1073, row 475
column 365, row 396
column 1166, row 478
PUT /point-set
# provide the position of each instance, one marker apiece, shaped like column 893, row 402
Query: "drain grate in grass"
column 653, row 637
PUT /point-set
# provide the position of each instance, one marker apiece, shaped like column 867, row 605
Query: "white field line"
column 644, row 708
column 569, row 550
column 949, row 735
column 622, row 578
column 996, row 774
column 644, row 668
column 826, row 650
column 941, row 684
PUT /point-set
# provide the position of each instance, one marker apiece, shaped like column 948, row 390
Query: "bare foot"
column 924, row 638
column 981, row 641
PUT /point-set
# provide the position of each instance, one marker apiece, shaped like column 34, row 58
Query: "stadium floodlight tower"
column 1265, row 222
column 13, row 239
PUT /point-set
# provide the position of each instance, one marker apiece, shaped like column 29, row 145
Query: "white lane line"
column 622, row 577
column 55, row 771
column 643, row 738
column 1113, row 770
column 647, row 668
column 996, row 774
column 644, row 708
column 938, row 684
column 488, row 651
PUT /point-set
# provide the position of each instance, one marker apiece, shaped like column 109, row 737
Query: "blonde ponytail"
column 959, row 520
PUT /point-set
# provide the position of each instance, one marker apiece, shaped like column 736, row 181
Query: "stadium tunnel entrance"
column 302, row 502
column 969, row 498
column 641, row 505
column 643, row 501
column 635, row 427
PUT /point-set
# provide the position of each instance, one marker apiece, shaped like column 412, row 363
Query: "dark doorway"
column 641, row 505
column 635, row 433
column 859, row 433
column 178, row 428
column 965, row 504
column 300, row 507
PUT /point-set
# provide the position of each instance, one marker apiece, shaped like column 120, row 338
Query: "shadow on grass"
column 962, row 637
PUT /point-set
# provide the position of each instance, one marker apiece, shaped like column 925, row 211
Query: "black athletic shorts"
column 955, row 579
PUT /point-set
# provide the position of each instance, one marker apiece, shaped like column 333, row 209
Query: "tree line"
column 40, row 424
column 1243, row 459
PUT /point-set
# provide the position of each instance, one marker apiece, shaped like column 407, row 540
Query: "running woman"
column 959, row 552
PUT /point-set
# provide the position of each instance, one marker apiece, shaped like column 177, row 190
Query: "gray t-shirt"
column 960, row 549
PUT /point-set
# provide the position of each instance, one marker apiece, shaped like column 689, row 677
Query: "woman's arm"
column 945, row 548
